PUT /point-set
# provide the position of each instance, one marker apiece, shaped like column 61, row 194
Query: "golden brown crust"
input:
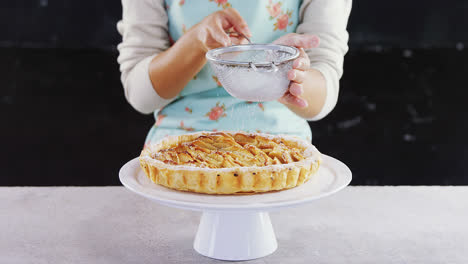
column 230, row 180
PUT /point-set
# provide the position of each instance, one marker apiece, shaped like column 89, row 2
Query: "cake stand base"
column 235, row 235
column 238, row 227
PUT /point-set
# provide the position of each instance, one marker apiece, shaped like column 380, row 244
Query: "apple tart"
column 230, row 162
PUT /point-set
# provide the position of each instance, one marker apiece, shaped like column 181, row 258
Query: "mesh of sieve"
column 253, row 72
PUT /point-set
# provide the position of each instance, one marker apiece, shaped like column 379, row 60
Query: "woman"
column 163, row 65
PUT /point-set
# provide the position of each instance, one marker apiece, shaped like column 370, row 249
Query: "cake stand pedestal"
column 238, row 227
column 235, row 235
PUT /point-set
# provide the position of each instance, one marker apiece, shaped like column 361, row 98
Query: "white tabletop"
column 113, row 225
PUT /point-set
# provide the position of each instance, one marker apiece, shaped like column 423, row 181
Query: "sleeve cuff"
column 139, row 90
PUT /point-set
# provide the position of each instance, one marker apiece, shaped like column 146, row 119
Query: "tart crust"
column 232, row 180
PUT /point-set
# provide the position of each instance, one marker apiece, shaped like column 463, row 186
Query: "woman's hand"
column 211, row 33
column 298, row 74
column 171, row 70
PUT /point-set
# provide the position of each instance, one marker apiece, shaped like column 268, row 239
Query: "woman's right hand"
column 171, row 70
column 210, row 33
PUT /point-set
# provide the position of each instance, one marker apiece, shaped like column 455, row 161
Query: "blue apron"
column 203, row 105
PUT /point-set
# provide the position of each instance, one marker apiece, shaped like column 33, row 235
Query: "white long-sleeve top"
column 144, row 30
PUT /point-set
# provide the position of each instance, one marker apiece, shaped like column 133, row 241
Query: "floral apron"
column 203, row 105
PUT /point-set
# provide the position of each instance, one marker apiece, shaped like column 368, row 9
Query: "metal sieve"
column 253, row 72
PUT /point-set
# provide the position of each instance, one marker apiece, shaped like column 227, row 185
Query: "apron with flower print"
column 203, row 105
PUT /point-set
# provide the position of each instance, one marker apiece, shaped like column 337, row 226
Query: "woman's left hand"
column 300, row 66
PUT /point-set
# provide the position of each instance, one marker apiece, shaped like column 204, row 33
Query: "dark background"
column 400, row 117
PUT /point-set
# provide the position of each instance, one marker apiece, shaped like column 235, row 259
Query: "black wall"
column 92, row 24
column 400, row 117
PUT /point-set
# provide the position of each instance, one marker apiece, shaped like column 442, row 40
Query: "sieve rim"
column 210, row 55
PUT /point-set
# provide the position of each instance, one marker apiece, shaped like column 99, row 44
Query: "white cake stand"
column 238, row 227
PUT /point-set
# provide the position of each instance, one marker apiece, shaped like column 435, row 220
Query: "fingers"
column 234, row 19
column 238, row 41
column 216, row 26
column 296, row 89
column 218, row 34
column 314, row 42
column 305, row 41
column 300, row 65
column 226, row 20
column 303, row 54
column 290, row 99
column 296, row 75
column 303, row 62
